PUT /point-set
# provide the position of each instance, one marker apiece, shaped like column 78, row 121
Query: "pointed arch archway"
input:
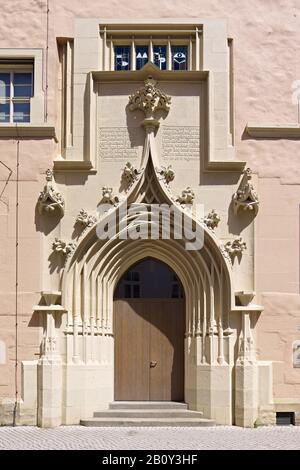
column 98, row 262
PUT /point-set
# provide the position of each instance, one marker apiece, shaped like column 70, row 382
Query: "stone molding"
column 28, row 131
column 276, row 131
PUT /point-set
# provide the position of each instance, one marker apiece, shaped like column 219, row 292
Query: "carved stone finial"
column 130, row 174
column 108, row 197
column 65, row 249
column 167, row 174
column 149, row 99
column 187, row 196
column 85, row 219
column 235, row 247
column 212, row 220
column 246, row 197
column 50, row 200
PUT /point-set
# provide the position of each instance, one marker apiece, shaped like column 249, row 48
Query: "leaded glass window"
column 122, row 57
column 179, row 57
column 142, row 56
column 160, row 56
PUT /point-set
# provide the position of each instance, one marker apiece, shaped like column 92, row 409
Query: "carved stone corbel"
column 84, row 219
column 246, row 197
column 50, row 200
column 212, row 220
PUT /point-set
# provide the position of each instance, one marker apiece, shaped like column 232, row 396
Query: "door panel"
column 149, row 330
column 131, row 326
column 166, row 348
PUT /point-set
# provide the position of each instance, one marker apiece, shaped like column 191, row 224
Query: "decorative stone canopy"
column 50, row 200
column 246, row 197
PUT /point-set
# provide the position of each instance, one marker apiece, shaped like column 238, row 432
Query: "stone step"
column 143, row 422
column 147, row 405
column 153, row 413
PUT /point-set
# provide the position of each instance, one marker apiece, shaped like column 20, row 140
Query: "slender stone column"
column 246, row 375
column 49, row 368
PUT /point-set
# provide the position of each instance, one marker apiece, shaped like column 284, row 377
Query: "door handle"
column 153, row 364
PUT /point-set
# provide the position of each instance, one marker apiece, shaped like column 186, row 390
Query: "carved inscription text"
column 118, row 143
column 180, row 143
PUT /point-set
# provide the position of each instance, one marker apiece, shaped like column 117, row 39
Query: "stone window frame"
column 113, row 35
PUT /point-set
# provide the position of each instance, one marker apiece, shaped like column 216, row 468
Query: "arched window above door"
column 149, row 278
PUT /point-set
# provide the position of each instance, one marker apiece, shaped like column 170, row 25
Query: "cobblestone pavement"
column 220, row 437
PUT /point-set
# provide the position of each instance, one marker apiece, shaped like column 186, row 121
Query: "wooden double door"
column 149, row 349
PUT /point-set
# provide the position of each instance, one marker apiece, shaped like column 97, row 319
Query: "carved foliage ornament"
column 212, row 220
column 130, row 174
column 149, row 99
column 65, row 249
column 235, row 247
column 167, row 174
column 50, row 200
column 85, row 219
column 246, row 197
column 187, row 196
column 108, row 197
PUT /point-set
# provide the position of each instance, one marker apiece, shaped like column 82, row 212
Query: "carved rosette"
column 63, row 248
column 84, row 219
column 212, row 220
column 50, row 200
column 246, row 197
column 149, row 99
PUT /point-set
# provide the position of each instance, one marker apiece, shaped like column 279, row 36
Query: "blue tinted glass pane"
column 141, row 56
column 122, row 57
column 4, row 112
column 22, row 91
column 22, row 84
column 160, row 57
column 4, row 85
column 179, row 57
column 22, row 78
column 21, row 112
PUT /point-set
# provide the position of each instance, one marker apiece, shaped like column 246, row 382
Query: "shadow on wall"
column 45, row 223
column 237, row 223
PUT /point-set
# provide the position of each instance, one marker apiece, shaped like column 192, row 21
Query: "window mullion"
column 190, row 54
column 132, row 55
column 11, row 107
column 169, row 55
column 151, row 55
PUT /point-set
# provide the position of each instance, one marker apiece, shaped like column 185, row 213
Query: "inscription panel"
column 119, row 143
column 181, row 142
